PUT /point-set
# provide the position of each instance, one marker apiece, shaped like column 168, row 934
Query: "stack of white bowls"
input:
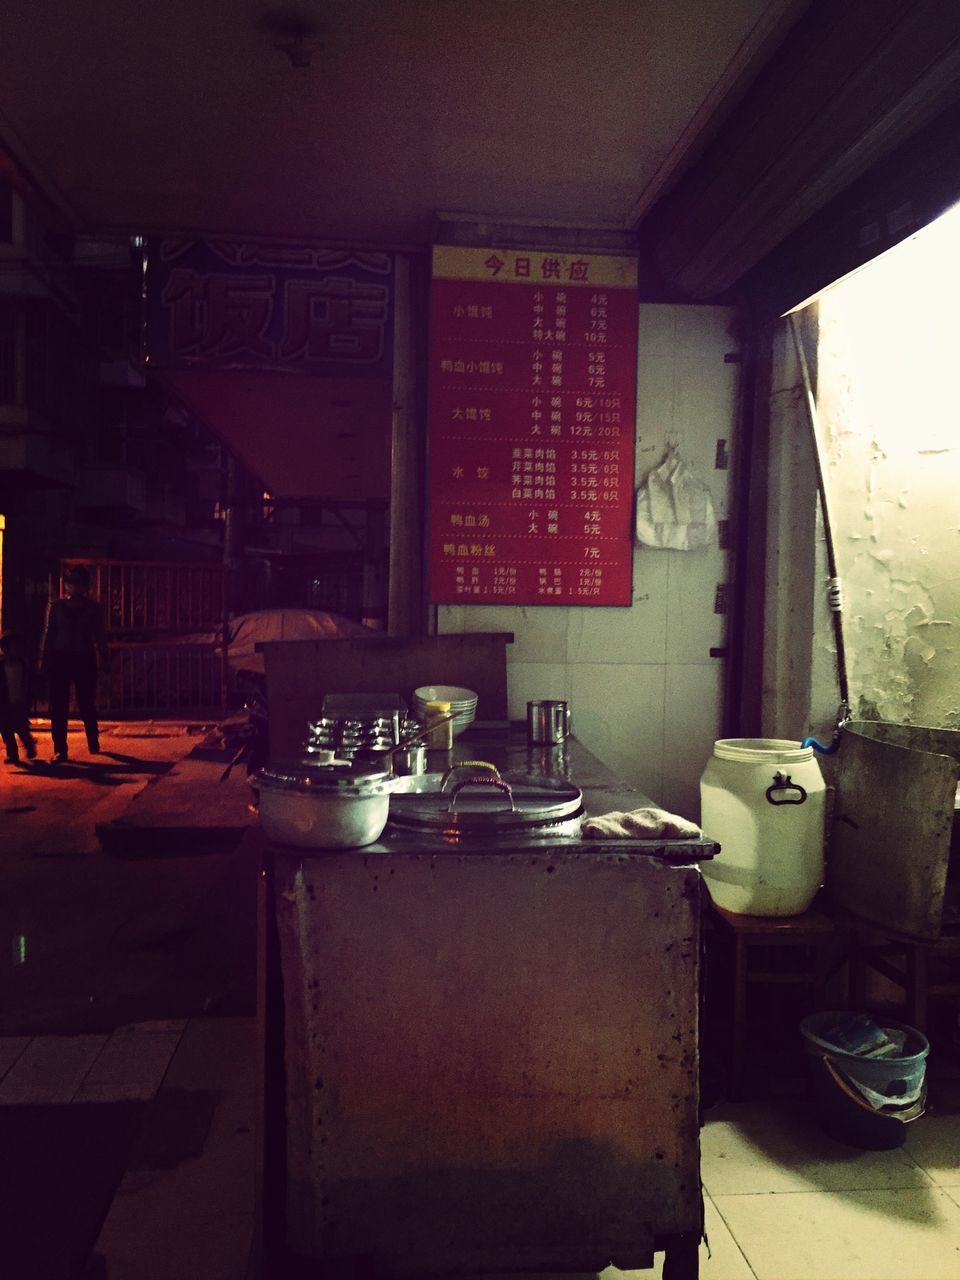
column 463, row 703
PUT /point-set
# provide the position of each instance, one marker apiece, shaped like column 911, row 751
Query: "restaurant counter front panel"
column 491, row 1055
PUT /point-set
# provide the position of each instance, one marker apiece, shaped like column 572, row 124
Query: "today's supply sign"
column 532, row 427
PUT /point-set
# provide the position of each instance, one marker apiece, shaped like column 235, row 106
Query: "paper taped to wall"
column 674, row 509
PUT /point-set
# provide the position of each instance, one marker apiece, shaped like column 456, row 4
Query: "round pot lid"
column 325, row 773
column 488, row 805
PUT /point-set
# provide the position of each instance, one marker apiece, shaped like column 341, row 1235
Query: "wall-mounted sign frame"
column 532, row 426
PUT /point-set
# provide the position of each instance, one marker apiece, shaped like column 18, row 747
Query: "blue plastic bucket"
column 834, row 1074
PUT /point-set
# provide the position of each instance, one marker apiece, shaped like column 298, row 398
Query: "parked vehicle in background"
column 248, row 630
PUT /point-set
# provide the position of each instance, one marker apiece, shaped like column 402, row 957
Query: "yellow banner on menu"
column 540, row 266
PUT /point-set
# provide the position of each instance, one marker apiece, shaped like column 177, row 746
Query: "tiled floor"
column 785, row 1202
column 128, row 1065
column 185, row 1206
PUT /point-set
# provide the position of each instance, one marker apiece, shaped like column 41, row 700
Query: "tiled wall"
column 643, row 689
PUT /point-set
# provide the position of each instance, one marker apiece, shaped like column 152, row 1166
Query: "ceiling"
column 185, row 115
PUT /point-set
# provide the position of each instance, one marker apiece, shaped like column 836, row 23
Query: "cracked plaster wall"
column 889, row 408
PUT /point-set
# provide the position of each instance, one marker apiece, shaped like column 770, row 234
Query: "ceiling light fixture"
column 293, row 34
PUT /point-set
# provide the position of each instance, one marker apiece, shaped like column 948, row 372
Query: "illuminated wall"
column 889, row 408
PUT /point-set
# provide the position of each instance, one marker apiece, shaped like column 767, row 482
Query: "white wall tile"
column 649, row 579
column 657, row 328
column 703, row 407
column 617, row 713
column 539, row 631
column 691, row 726
column 693, row 628
column 651, row 451
column 656, row 375
column 533, row 680
column 637, row 634
column 705, row 331
column 450, row 619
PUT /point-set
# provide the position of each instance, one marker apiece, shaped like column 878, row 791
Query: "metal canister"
column 410, row 759
column 548, row 722
column 440, row 726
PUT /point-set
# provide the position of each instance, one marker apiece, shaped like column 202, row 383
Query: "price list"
column 532, row 424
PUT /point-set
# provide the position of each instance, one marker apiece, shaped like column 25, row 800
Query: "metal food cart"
column 482, row 1054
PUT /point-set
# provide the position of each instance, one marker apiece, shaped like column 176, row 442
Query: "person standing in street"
column 16, row 697
column 72, row 651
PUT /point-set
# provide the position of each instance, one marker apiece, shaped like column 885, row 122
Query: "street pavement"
column 96, row 939
column 127, row 1034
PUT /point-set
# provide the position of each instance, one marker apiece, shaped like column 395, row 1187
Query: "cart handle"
column 468, row 764
column 480, row 782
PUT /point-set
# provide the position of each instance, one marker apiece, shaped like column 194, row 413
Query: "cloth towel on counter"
column 640, row 824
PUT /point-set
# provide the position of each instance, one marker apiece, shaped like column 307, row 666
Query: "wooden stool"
column 814, row 930
column 924, row 971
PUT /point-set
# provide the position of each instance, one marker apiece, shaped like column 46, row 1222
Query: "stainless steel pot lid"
column 325, row 774
column 486, row 804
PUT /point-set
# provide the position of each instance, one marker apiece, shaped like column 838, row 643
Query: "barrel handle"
column 782, row 782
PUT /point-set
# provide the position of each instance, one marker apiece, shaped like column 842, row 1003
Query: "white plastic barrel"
column 763, row 801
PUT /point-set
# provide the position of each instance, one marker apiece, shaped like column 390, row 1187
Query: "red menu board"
column 532, row 424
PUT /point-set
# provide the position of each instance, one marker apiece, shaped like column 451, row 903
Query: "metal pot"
column 399, row 761
column 327, row 805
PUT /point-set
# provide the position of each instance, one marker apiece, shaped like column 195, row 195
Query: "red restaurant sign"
column 532, row 425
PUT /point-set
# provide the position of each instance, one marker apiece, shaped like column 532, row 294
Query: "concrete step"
column 191, row 809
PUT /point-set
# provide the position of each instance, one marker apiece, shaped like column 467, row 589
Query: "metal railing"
column 164, row 622
column 163, row 679
column 146, row 598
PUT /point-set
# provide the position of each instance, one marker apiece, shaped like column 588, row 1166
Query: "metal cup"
column 548, row 722
column 410, row 759
column 548, row 761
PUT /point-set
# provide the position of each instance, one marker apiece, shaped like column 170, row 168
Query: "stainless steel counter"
column 492, row 1062
column 507, row 749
